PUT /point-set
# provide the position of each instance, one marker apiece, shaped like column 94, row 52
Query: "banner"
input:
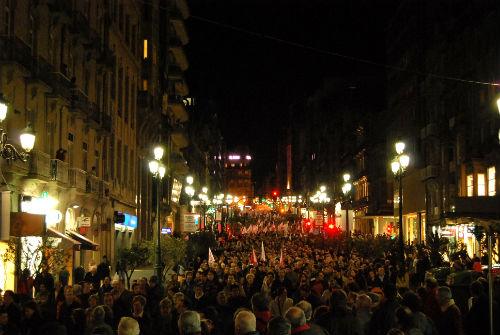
column 190, row 220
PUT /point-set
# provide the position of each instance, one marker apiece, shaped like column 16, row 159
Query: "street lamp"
column 346, row 189
column 204, row 200
column 157, row 169
column 398, row 166
column 27, row 138
column 189, row 190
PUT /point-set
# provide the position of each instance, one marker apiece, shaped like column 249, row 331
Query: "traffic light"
column 307, row 224
column 275, row 194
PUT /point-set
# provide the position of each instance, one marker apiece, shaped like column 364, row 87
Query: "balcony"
column 180, row 28
column 40, row 166
column 103, row 189
column 92, row 184
column 176, row 46
column 178, row 109
column 61, row 86
column 94, row 115
column 77, row 179
column 15, row 52
column 180, row 136
column 430, row 171
column 59, row 171
column 175, row 73
column 79, row 101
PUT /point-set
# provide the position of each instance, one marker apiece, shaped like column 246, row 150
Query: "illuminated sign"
column 130, row 221
column 234, row 157
column 176, row 190
column 43, row 205
column 166, row 230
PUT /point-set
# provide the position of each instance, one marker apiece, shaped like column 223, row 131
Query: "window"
column 119, row 161
column 120, row 92
column 134, row 102
column 127, row 99
column 145, row 85
column 145, row 51
column 481, row 184
column 492, row 183
column 470, row 185
column 6, row 20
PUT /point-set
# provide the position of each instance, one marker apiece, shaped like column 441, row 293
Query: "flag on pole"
column 253, row 258
column 211, row 258
column 282, row 260
column 262, row 253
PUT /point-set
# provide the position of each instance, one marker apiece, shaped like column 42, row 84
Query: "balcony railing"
column 92, row 184
column 40, row 166
column 13, row 49
column 78, row 179
column 59, row 171
column 430, row 171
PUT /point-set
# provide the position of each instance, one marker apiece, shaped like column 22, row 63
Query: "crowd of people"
column 293, row 287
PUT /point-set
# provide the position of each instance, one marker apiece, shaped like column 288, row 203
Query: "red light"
column 275, row 193
column 330, row 226
column 308, row 223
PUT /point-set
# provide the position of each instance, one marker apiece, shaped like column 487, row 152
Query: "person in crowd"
column 6, row 326
column 138, row 313
column 476, row 320
column 363, row 312
column 187, row 286
column 128, row 326
column 419, row 319
column 260, row 308
column 307, row 308
column 66, row 307
column 106, row 286
column 450, row 319
column 32, row 319
column 45, row 278
column 104, row 268
column 12, row 308
column 281, row 303
column 340, row 319
column 298, row 322
column 279, row 326
column 199, row 300
column 245, row 324
column 93, row 277
column 189, row 323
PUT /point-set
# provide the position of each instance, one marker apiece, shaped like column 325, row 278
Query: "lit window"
column 481, row 184
column 145, row 85
column 491, row 182
column 470, row 185
column 145, row 49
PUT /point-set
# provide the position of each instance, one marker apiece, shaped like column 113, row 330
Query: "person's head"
column 412, row 301
column 107, row 280
column 221, row 298
column 98, row 314
column 8, row 297
column 443, row 295
column 296, row 317
column 250, row 278
column 305, row 290
column 198, row 290
column 68, row 292
column 93, row 300
column 381, row 271
column 189, row 323
column 153, row 281
column 338, row 299
column 306, row 307
column 245, row 322
column 403, row 318
column 431, row 283
column 476, row 289
column 279, row 326
column 165, row 307
column 136, row 288
column 79, row 317
column 178, row 300
column 281, row 291
column 93, row 269
column 210, row 275
column 128, row 326
column 30, row 308
column 189, row 275
column 363, row 303
column 138, row 304
column 4, row 317
column 259, row 303
column 108, row 299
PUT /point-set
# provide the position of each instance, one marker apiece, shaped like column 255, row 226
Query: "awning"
column 86, row 243
column 66, row 241
column 24, row 224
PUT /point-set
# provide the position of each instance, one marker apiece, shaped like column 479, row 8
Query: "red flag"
column 253, row 258
column 282, row 260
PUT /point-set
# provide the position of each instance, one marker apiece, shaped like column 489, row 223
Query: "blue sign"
column 130, row 221
column 166, row 230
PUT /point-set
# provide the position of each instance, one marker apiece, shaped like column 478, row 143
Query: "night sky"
column 253, row 79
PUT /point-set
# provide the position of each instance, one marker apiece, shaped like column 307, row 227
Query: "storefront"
column 460, row 234
column 125, row 229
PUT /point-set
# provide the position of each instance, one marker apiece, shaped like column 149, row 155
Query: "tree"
column 130, row 259
column 35, row 254
column 437, row 246
column 199, row 243
column 173, row 251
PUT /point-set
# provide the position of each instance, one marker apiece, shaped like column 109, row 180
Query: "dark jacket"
column 383, row 317
column 340, row 321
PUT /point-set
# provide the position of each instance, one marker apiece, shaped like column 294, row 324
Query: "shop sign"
column 166, row 230
column 176, row 190
column 83, row 221
column 190, row 222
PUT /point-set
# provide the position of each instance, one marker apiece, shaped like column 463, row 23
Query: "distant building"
column 238, row 175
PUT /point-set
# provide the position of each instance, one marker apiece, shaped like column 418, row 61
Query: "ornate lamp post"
column 346, row 189
column 158, row 171
column 398, row 166
column 7, row 150
column 189, row 191
column 204, row 201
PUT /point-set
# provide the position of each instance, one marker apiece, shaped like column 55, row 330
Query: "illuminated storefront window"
column 470, row 185
column 481, row 184
column 491, row 182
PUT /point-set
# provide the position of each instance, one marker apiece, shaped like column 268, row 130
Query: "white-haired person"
column 128, row 326
column 189, row 323
column 245, row 323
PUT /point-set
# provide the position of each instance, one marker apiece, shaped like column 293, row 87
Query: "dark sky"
column 253, row 79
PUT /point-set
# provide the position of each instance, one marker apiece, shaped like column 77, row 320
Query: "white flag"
column 262, row 253
column 211, row 258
